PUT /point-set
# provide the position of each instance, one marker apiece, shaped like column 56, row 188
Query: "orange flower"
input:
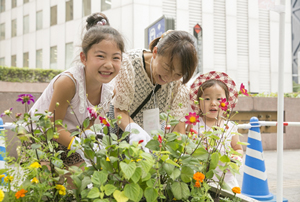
column 197, row 184
column 199, row 176
column 21, row 193
column 236, row 190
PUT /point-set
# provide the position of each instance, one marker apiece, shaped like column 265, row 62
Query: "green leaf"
column 180, row 190
column 225, row 159
column 172, row 162
column 35, row 146
column 214, row 161
column 132, row 191
column 114, row 136
column 109, row 189
column 186, row 174
column 49, row 133
column 128, row 169
column 146, row 165
column 163, row 116
column 124, row 135
column 168, row 168
column 209, row 174
column 150, row 194
column 153, row 145
column 174, row 122
column 99, row 177
column 136, row 175
column 86, row 123
column 101, row 200
column 94, row 193
column 175, row 174
column 164, row 157
column 243, row 143
column 86, row 180
column 120, row 196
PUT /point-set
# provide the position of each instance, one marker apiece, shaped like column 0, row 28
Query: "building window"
column 2, row 31
column 53, row 13
column 53, row 57
column 39, row 59
column 105, row 5
column 69, row 55
column 25, row 1
column 69, row 10
column 25, row 24
column 14, row 60
column 13, row 3
column 26, row 59
column 2, row 61
column 39, row 20
column 14, row 28
column 2, row 6
column 86, row 7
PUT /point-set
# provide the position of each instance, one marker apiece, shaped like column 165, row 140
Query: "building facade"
column 237, row 36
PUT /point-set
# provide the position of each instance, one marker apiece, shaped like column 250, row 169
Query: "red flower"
column 141, row 141
column 243, row 90
column 192, row 118
column 104, row 121
column 223, row 104
column 93, row 112
column 159, row 139
column 193, row 131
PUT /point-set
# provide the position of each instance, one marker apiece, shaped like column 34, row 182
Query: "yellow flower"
column 35, row 165
column 2, row 176
column 199, row 176
column 107, row 159
column 34, row 180
column 236, row 190
column 8, row 178
column 61, row 189
column 1, row 195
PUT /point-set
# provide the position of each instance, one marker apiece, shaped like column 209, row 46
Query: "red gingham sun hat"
column 221, row 76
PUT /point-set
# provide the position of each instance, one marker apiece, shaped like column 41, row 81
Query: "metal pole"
column 280, row 106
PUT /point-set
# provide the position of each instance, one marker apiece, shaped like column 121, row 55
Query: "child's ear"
column 83, row 58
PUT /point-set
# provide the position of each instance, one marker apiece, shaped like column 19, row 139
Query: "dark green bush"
column 15, row 74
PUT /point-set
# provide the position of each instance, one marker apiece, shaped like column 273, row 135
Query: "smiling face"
column 211, row 100
column 102, row 62
column 163, row 70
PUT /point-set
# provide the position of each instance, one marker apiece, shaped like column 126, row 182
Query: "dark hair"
column 179, row 44
column 93, row 19
column 210, row 83
column 96, row 33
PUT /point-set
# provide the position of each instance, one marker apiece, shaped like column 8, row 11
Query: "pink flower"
column 192, row 118
column 25, row 98
column 104, row 121
column 93, row 112
column 243, row 90
column 224, row 104
column 159, row 139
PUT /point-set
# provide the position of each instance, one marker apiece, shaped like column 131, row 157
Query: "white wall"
column 131, row 17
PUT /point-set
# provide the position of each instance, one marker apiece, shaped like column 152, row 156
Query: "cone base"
column 267, row 198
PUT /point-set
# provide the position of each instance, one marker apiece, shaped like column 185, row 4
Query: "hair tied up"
column 102, row 22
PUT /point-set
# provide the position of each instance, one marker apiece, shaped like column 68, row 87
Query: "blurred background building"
column 236, row 36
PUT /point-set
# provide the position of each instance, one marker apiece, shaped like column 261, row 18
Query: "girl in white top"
column 212, row 87
column 85, row 85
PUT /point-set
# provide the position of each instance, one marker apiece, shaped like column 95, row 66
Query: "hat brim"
column 220, row 76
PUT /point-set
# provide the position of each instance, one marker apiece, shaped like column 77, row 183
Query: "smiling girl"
column 166, row 67
column 86, row 84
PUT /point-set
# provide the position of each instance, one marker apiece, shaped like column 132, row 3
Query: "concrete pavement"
column 291, row 173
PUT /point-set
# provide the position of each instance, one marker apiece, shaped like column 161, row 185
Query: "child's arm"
column 63, row 91
column 237, row 147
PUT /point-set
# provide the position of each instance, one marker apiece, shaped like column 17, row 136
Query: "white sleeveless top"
column 79, row 102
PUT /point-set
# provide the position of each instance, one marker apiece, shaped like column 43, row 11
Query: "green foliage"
column 179, row 166
column 15, row 74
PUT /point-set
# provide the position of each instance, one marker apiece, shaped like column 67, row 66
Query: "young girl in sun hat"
column 210, row 94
